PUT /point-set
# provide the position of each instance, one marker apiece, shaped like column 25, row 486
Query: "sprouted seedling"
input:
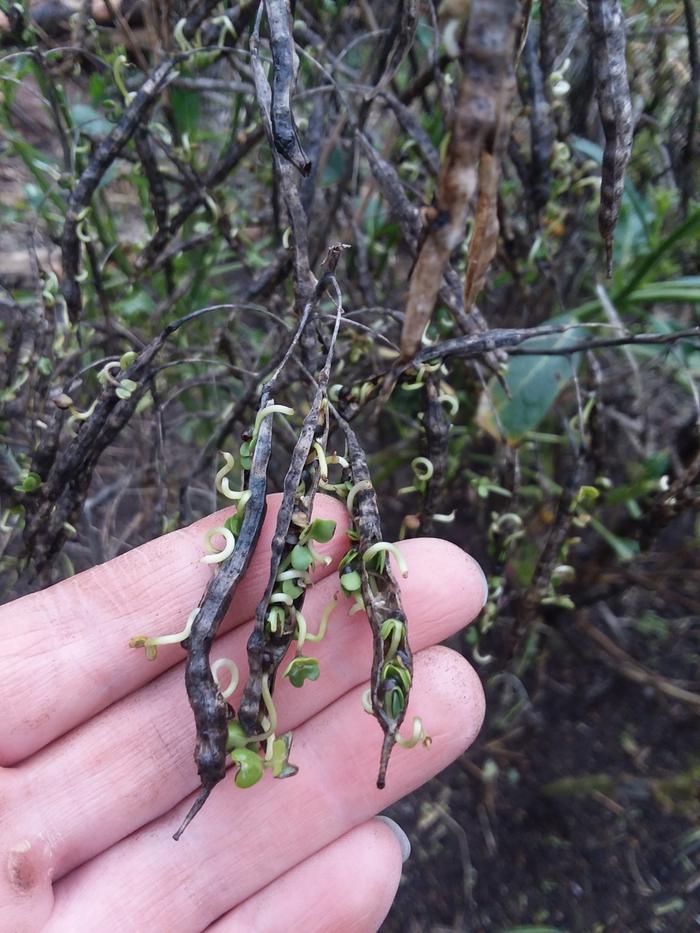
column 151, row 644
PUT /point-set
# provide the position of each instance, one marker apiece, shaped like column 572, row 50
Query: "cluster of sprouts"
column 252, row 742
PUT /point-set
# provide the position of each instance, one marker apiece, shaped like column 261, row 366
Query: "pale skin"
column 96, row 745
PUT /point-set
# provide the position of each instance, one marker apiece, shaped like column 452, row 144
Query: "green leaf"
column 234, row 524
column 137, row 304
column 301, row 557
column 44, row 366
column 290, row 588
column 280, row 765
column 87, row 120
column 534, row 382
column 250, row 767
column 246, row 455
column 394, row 702
column 398, row 673
column 321, row 530
column 302, row 669
column 31, row 482
column 185, row 107
column 236, row 737
column 350, row 582
column 688, row 230
column 348, row 558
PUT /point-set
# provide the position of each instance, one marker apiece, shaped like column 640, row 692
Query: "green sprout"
column 270, row 409
column 418, row 734
column 302, row 632
column 216, row 557
column 250, row 767
column 151, row 643
column 231, row 667
column 221, row 481
column 278, row 760
column 423, row 471
column 385, row 546
column 394, row 629
column 320, row 529
column 301, row 669
column 451, row 401
column 358, row 487
column 350, row 582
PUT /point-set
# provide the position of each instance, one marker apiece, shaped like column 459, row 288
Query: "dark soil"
column 582, row 813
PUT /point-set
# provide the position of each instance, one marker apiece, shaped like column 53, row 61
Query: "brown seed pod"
column 487, row 53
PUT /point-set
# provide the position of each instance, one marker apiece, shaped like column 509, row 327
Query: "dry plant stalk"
column 405, row 28
column 613, row 92
column 488, row 52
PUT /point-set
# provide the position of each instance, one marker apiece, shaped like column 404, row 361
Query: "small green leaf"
column 31, row 482
column 562, row 601
column 290, row 588
column 301, row 557
column 234, row 524
column 236, row 736
column 250, row 767
column 185, row 107
column 122, row 393
column 321, row 530
column 350, row 582
column 348, row 558
column 44, row 366
column 280, row 765
column 246, row 455
column 394, row 702
column 302, row 669
column 399, row 674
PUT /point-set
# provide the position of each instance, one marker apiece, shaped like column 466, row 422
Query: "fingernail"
column 484, row 582
column 401, row 836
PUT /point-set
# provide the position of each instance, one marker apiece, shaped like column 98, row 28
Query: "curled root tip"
column 193, row 811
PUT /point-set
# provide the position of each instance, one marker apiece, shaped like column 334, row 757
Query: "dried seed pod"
column 404, row 28
column 607, row 26
column 488, row 53
column 284, row 131
column 541, row 126
column 392, row 661
column 211, row 712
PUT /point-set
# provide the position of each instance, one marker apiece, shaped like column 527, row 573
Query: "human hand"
column 97, row 745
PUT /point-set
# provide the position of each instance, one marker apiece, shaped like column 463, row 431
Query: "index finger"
column 66, row 652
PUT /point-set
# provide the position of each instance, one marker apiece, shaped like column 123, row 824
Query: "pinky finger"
column 348, row 886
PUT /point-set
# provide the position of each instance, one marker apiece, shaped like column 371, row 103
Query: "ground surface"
column 590, row 819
